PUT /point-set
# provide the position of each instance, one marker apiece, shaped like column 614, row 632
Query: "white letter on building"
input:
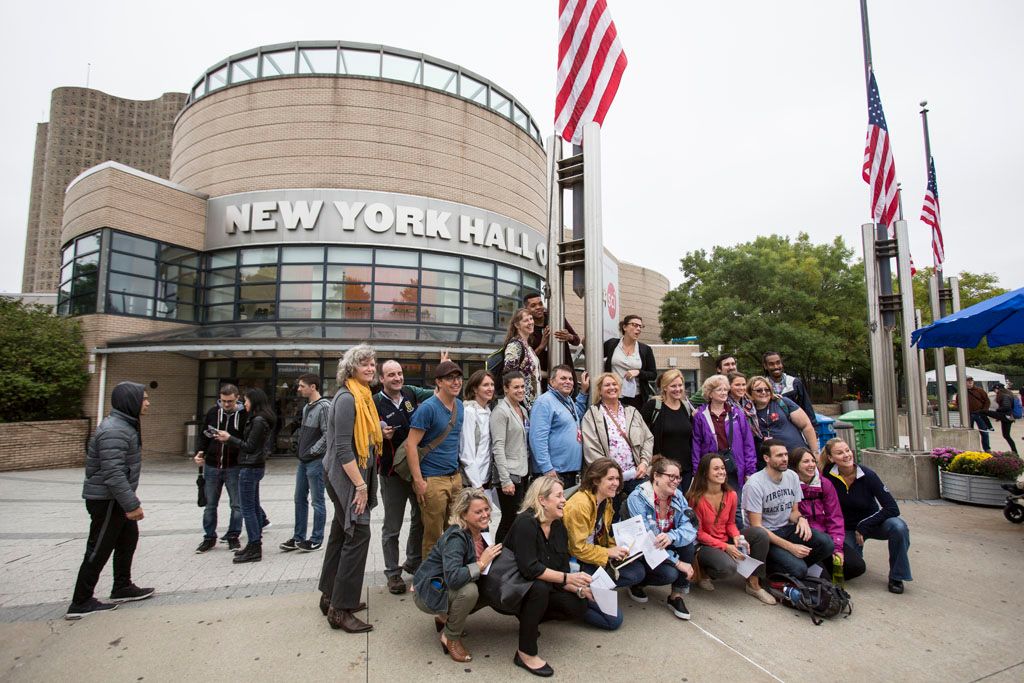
column 237, row 218
column 379, row 217
column 300, row 212
column 348, row 213
column 437, row 224
column 409, row 217
column 510, row 236
column 494, row 237
column 471, row 230
column 261, row 218
column 524, row 246
column 542, row 254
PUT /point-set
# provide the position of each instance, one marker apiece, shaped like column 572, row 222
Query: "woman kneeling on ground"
column 663, row 508
column 718, row 537
column 446, row 581
column 869, row 511
column 820, row 506
column 541, row 546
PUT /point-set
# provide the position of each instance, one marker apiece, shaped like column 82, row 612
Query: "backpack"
column 817, row 596
column 495, row 365
column 1018, row 410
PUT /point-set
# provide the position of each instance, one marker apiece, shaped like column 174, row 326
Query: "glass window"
column 479, row 285
column 401, row 68
column 509, row 289
column 349, row 255
column 220, row 313
column 67, row 253
column 348, row 291
column 172, row 308
column 263, row 310
column 534, row 131
column 278, row 63
column 506, row 307
column 65, row 272
column 307, row 291
column 349, row 309
column 520, row 117
column 179, row 256
column 302, row 273
column 87, row 265
column 438, row 315
column 255, row 274
column 478, row 318
column 87, row 243
column 259, row 255
column 133, row 245
column 305, row 310
column 257, row 292
column 433, row 278
column 216, row 278
column 473, row 89
column 318, row 61
column 220, row 295
column 199, row 90
column 441, row 262
column 360, row 63
column 244, row 69
column 477, row 267
column 392, row 293
column 223, row 258
column 349, row 273
column 435, row 76
column 302, row 255
column 133, row 265
column 398, row 276
column 500, row 103
column 395, row 311
column 118, row 302
column 504, row 318
column 218, row 79
column 440, row 297
column 386, row 257
column 509, row 274
column 129, row 284
column 531, row 281
column 82, row 305
column 478, row 300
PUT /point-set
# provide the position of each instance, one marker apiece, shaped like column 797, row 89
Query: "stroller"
column 1014, row 508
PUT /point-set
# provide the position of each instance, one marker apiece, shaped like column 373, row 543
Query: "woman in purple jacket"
column 721, row 428
column 821, row 508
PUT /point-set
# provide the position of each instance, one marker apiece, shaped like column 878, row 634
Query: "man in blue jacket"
column 556, row 442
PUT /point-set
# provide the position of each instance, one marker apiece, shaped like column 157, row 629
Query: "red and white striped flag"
column 590, row 66
column 931, row 217
column 879, row 170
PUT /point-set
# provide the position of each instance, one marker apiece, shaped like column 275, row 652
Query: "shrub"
column 943, row 456
column 1003, row 466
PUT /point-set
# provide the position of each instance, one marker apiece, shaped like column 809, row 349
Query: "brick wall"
column 38, row 445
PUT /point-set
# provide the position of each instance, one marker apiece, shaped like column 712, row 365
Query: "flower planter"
column 970, row 488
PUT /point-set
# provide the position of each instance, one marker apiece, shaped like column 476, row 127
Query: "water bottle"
column 742, row 545
column 792, row 594
column 837, row 572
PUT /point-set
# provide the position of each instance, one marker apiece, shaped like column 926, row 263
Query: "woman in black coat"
column 631, row 360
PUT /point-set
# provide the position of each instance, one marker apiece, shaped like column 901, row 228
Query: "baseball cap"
column 445, row 368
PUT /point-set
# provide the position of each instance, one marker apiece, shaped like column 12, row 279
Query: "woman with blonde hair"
column 612, row 429
column 354, row 439
column 519, row 355
column 669, row 417
column 446, row 582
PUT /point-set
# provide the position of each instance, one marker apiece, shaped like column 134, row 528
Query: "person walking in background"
column 510, row 431
column 977, row 405
column 519, row 355
column 669, row 417
column 475, row 449
column 632, row 360
column 220, row 467
column 309, row 475
column 113, row 463
column 787, row 386
column 556, row 441
column 1004, row 413
column 354, row 440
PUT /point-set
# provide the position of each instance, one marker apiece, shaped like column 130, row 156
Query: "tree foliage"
column 804, row 300
column 42, row 364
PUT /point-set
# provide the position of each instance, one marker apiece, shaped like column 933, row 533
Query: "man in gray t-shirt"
column 770, row 501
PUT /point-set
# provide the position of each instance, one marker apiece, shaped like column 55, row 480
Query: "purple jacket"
column 705, row 441
column 821, row 508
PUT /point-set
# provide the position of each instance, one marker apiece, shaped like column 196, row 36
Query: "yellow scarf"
column 366, row 427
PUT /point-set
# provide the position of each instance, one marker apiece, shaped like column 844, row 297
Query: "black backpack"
column 818, row 596
column 495, row 364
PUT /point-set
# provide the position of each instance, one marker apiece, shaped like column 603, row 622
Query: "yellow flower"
column 968, row 462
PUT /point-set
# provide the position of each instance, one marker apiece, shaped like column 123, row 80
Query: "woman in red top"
column 719, row 545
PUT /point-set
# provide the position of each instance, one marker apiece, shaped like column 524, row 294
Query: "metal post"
column 940, row 355
column 579, row 229
column 102, row 393
column 961, row 364
column 910, row 367
column 880, row 344
column 922, row 379
column 593, row 300
column 556, row 299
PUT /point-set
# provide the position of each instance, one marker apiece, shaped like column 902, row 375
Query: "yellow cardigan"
column 580, row 518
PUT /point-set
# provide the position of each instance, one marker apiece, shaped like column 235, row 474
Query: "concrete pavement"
column 213, row 620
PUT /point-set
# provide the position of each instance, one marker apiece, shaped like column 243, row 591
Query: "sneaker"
column 895, row 586
column 638, row 594
column 131, row 593
column 289, row 545
column 266, row 523
column 706, row 584
column 91, row 606
column 678, row 607
column 761, row 594
column 396, row 586
column 206, row 545
column 309, row 546
column 234, row 544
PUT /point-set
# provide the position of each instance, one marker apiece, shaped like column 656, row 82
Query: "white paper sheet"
column 815, row 570
column 489, row 540
column 628, row 531
column 653, row 555
column 747, row 566
column 600, row 579
column 607, row 601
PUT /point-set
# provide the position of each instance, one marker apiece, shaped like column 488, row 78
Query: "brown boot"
column 456, row 650
column 325, row 604
column 346, row 621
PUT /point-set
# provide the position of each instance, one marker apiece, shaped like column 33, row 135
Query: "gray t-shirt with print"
column 773, row 500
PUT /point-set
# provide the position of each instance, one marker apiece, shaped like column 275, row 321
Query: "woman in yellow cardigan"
column 588, row 521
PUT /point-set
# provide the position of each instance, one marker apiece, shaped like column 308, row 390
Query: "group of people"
column 983, row 410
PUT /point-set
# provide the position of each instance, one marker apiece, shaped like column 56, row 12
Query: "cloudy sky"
column 734, row 119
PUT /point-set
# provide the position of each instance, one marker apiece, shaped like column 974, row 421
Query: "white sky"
column 733, row 119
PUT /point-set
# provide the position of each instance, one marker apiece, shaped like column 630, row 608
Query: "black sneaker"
column 207, row 545
column 266, row 523
column 638, row 594
column 895, row 586
column 308, row 546
column 131, row 593
column 678, row 607
column 234, row 544
column 91, row 606
column 289, row 545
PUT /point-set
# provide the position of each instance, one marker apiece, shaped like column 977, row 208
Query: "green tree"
column 804, row 300
column 42, row 364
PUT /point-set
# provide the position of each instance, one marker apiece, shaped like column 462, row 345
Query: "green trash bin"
column 863, row 422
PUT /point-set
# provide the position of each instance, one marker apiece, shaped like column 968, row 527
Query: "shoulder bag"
column 401, row 462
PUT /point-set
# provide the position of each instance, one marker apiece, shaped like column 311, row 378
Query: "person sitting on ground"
column 510, row 430
column 669, row 417
column 719, row 539
column 661, row 505
column 445, row 583
column 539, row 540
column 771, row 500
column 869, row 511
column 820, row 505
column 781, row 419
column 612, row 429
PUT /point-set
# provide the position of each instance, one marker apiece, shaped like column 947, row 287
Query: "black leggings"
column 109, row 532
column 509, row 509
column 1005, row 423
column 545, row 602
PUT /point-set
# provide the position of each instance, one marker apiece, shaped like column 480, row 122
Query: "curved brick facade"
column 343, row 132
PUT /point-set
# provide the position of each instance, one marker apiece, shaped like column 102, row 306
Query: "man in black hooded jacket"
column 112, row 465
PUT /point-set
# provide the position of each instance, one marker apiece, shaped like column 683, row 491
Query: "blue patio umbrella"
column 1000, row 319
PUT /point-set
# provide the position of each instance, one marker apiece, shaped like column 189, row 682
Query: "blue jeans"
column 895, row 531
column 666, row 572
column 216, row 479
column 984, row 425
column 249, row 496
column 630, row 575
column 309, row 482
column 783, row 561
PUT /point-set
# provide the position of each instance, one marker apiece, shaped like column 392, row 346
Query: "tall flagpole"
column 939, row 306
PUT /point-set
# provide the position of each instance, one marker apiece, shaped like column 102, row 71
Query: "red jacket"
column 821, row 508
column 716, row 528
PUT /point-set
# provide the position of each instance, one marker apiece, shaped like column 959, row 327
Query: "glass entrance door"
column 288, row 403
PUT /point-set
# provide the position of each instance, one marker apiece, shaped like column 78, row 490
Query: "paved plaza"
column 212, row 620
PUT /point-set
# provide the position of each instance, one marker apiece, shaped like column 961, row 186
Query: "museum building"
column 317, row 195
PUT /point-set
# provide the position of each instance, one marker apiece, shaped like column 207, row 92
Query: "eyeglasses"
column 762, row 390
column 672, row 477
column 452, row 378
column 638, row 326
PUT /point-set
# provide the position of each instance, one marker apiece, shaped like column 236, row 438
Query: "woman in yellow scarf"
column 354, row 441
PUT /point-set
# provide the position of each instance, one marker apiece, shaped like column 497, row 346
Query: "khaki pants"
column 437, row 506
column 461, row 603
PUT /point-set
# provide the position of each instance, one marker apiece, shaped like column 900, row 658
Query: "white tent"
column 983, row 377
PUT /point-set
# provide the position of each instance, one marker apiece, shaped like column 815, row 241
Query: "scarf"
column 366, row 426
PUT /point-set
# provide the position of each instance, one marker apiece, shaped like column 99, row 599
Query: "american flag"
column 879, row 168
column 931, row 217
column 590, row 66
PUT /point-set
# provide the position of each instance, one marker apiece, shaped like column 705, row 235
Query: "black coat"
column 648, row 366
